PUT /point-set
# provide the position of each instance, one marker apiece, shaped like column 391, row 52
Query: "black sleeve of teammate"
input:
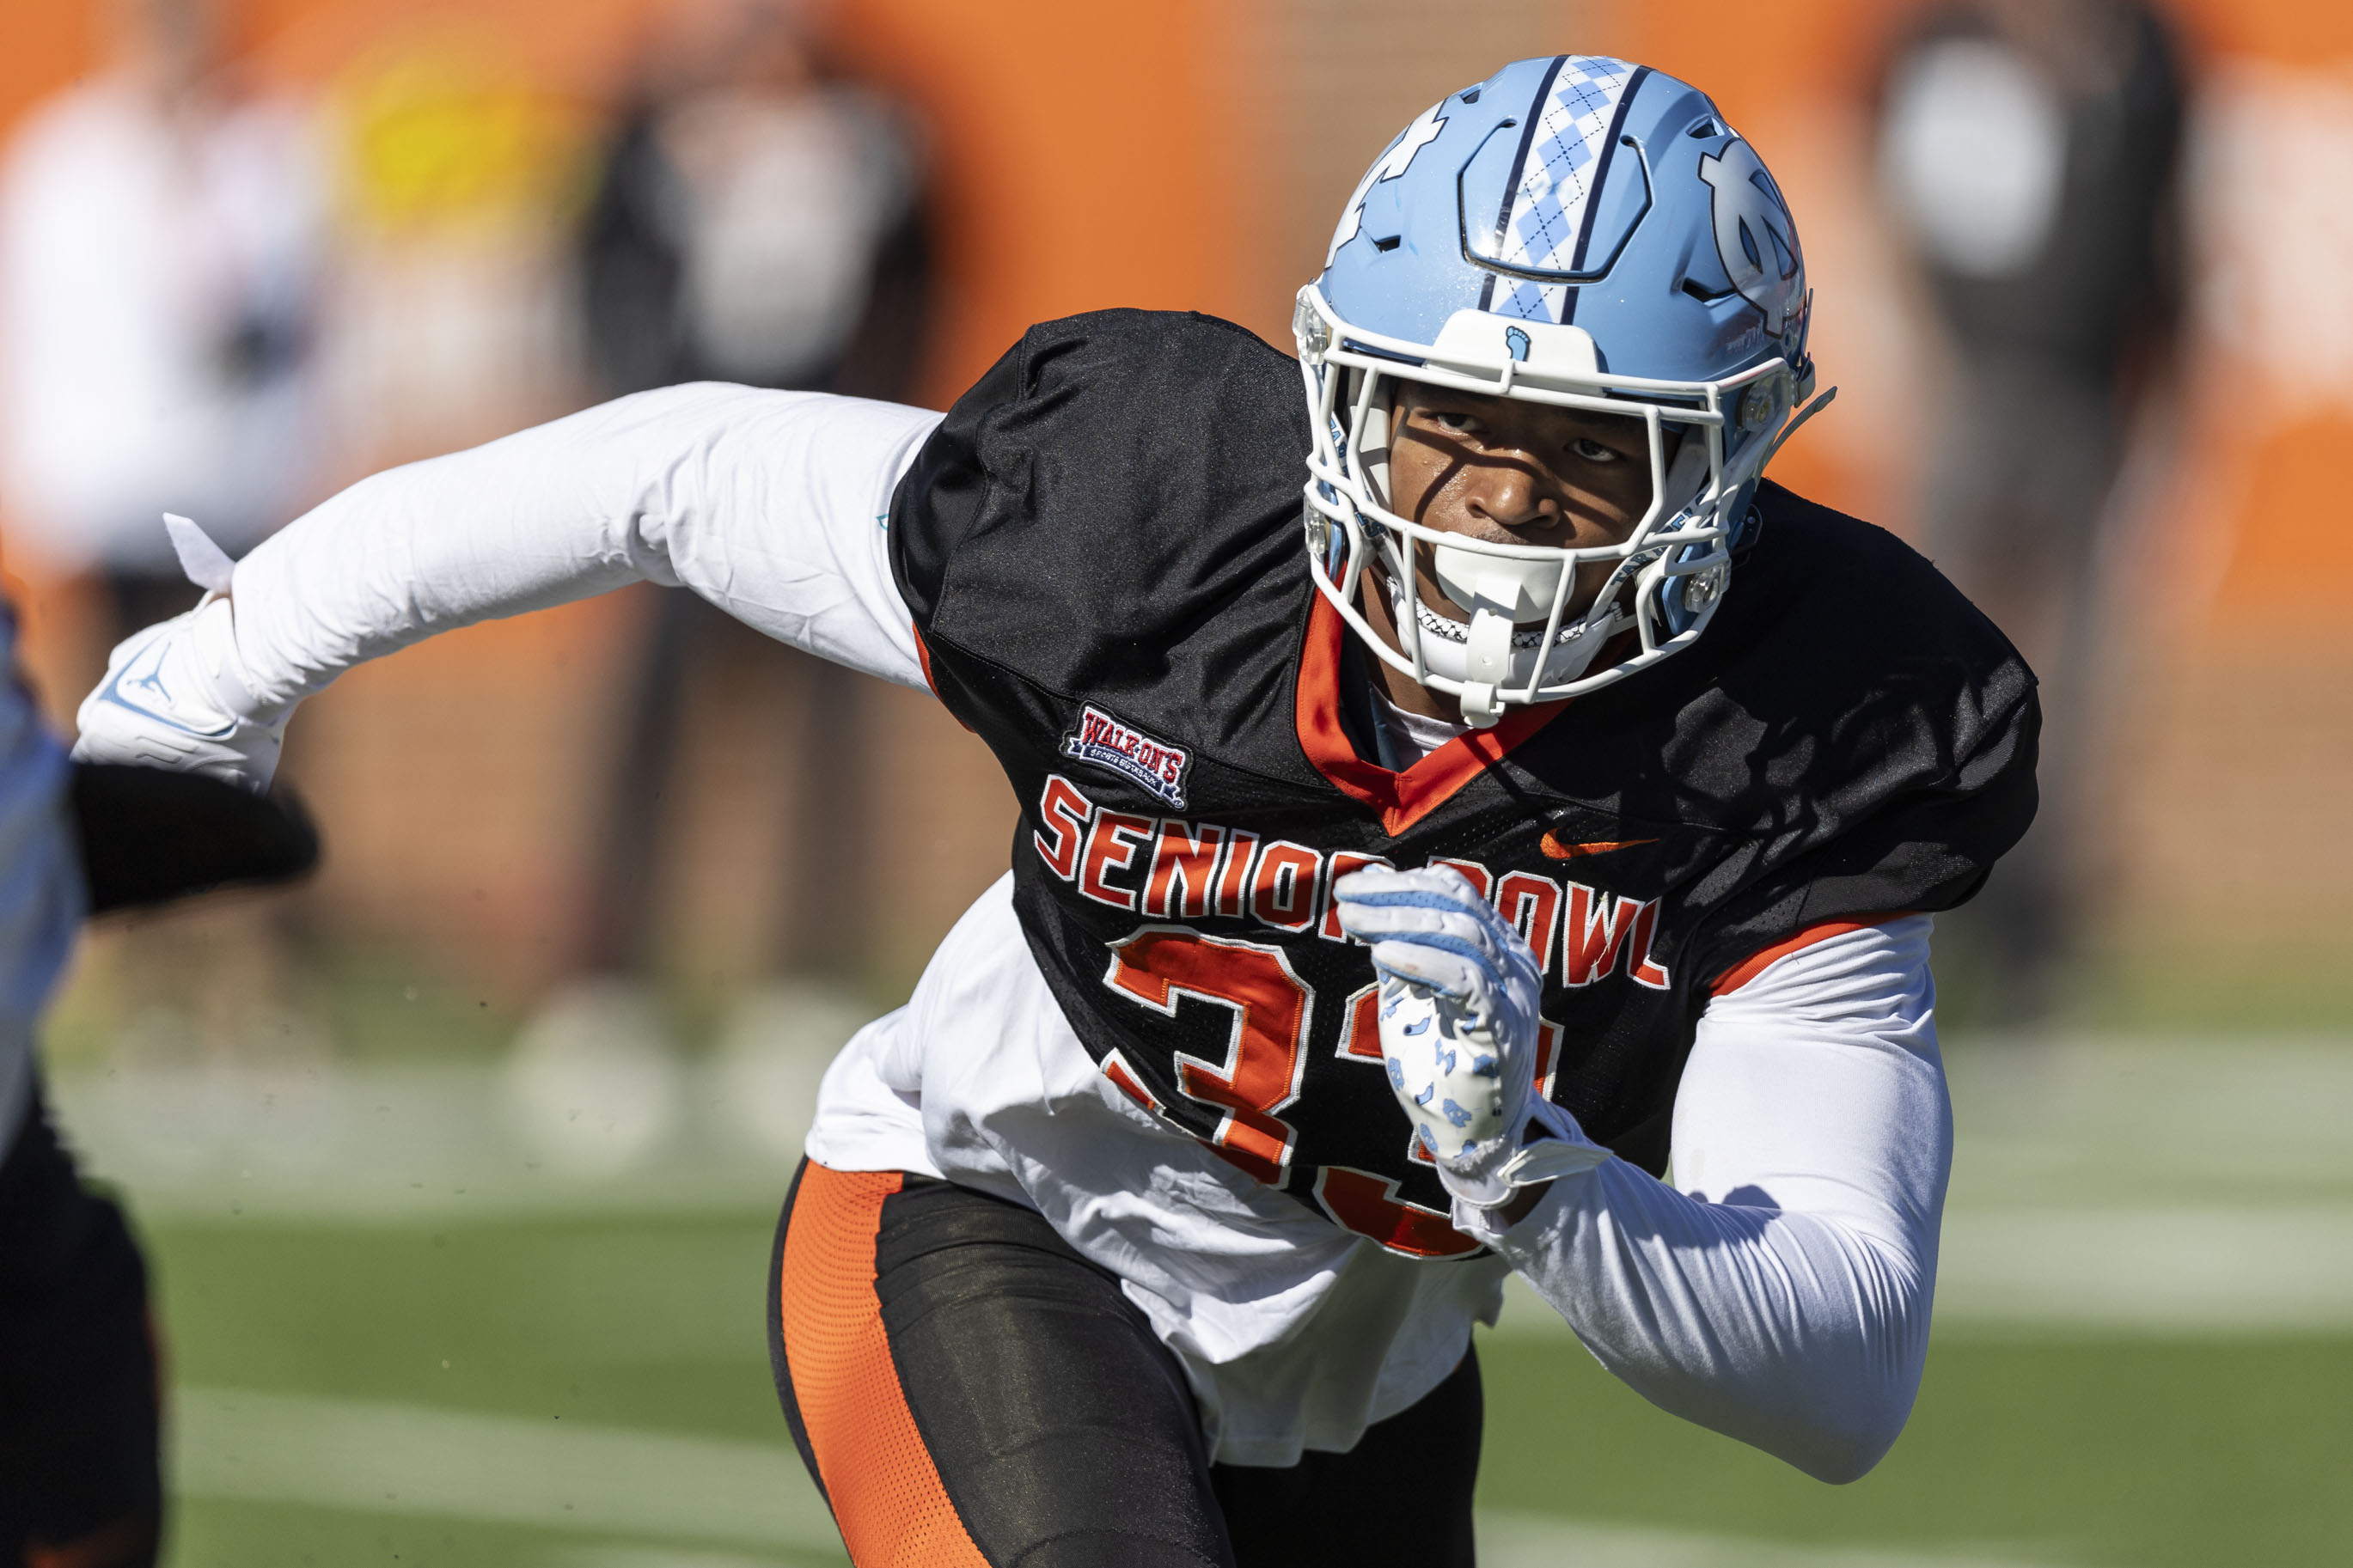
column 149, row 836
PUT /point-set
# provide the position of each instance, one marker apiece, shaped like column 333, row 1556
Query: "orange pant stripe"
column 885, row 1489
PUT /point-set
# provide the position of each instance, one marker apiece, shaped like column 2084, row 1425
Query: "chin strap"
column 1493, row 640
column 1487, row 665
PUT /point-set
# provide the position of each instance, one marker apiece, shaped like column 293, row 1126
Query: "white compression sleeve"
column 1779, row 1291
column 769, row 504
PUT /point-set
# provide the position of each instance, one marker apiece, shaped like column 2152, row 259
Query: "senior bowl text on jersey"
column 1849, row 739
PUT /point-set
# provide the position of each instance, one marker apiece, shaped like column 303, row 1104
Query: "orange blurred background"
column 1193, row 156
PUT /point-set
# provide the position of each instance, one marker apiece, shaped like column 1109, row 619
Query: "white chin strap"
column 1496, row 651
column 1500, row 594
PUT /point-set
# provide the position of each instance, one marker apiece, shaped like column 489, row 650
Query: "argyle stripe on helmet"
column 1556, row 181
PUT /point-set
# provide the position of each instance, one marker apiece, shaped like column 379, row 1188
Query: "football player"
column 1421, row 850
column 80, row 1483
column 79, row 1477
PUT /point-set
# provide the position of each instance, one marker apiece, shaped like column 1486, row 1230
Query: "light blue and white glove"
column 1459, row 1028
column 176, row 695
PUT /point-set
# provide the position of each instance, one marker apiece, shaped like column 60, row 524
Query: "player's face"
column 1512, row 472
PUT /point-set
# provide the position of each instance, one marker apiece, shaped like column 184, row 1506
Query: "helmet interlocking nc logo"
column 1755, row 240
column 1581, row 232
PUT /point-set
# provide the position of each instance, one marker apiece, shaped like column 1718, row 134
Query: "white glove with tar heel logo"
column 1458, row 1017
column 177, row 696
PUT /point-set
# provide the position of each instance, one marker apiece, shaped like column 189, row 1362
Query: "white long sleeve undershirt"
column 1778, row 1291
column 769, row 504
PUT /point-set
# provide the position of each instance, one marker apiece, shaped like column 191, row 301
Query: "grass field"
column 406, row 1327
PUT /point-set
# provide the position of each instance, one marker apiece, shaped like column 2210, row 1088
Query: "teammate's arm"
column 768, row 504
column 1778, row 1291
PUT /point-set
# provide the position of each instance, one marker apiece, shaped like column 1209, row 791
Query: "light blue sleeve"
column 41, row 898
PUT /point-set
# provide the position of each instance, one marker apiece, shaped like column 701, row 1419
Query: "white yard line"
column 2070, row 1213
column 324, row 1143
column 602, row 1555
column 648, row 1487
column 1533, row 1540
column 2219, row 1270
column 494, row 1469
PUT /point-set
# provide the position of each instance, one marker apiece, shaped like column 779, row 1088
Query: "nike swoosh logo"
column 1560, row 848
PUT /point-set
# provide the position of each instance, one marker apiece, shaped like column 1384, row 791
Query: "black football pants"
column 969, row 1391
column 79, row 1481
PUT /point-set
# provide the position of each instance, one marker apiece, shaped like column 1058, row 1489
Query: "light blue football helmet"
column 1576, row 231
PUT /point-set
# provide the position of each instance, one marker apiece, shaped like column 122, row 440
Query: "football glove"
column 177, row 696
column 1459, row 1025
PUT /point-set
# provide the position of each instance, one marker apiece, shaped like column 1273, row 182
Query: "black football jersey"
column 1102, row 547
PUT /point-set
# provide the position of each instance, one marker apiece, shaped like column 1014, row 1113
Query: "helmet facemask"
column 1532, row 636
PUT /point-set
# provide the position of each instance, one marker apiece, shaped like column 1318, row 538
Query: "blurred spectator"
column 159, row 249
column 756, row 220
column 458, row 176
column 2030, row 149
column 160, row 240
column 759, row 218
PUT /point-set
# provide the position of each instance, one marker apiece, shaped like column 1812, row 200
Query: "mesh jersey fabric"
column 849, row 1411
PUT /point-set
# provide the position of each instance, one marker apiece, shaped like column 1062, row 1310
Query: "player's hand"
column 1460, row 991
column 1458, row 1009
column 176, row 696
column 1448, row 1072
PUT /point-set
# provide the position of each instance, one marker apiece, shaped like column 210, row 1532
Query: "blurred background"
column 486, row 1124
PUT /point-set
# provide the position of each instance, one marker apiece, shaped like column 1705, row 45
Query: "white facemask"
column 1730, row 428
